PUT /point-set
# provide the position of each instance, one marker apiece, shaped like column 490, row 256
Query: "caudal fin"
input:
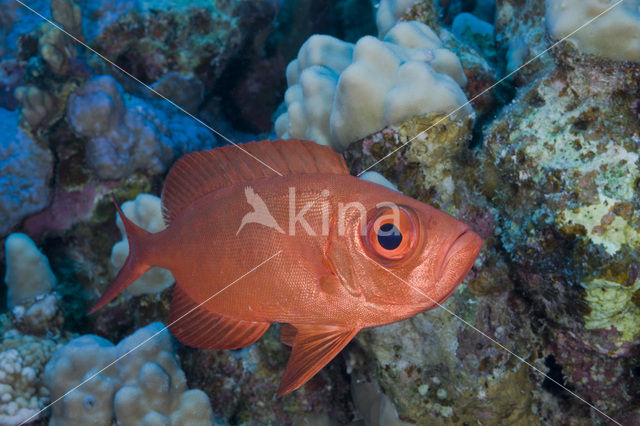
column 133, row 267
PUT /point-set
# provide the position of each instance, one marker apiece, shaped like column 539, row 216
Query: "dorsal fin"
column 200, row 173
column 196, row 326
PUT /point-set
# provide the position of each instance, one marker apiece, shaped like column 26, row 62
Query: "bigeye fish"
column 345, row 251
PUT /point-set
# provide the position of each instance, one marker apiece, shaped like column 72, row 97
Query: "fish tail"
column 135, row 265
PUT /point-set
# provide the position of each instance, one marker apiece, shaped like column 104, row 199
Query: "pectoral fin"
column 313, row 347
column 196, row 326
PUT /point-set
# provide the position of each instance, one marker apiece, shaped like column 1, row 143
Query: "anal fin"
column 313, row 347
column 201, row 328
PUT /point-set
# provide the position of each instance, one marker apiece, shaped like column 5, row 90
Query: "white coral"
column 390, row 12
column 613, row 34
column 146, row 212
column 142, row 383
column 28, row 272
column 22, row 360
column 339, row 92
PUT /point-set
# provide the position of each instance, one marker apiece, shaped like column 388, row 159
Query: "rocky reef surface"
column 455, row 103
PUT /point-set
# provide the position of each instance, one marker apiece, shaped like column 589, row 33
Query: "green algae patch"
column 612, row 305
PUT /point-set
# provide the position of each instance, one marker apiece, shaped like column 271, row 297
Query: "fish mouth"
column 459, row 259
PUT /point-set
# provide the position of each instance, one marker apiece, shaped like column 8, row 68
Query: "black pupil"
column 389, row 236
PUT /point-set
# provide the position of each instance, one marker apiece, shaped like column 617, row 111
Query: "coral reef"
column 68, row 15
column 188, row 92
column 51, row 70
column 120, row 140
column 146, row 212
column 30, row 333
column 567, row 149
column 374, row 406
column 475, row 32
column 242, row 385
column 150, row 39
column 338, row 93
column 553, row 190
column 419, row 156
column 10, row 78
column 521, row 33
column 546, row 169
column 479, row 72
column 54, row 46
column 39, row 316
column 38, row 106
column 123, row 137
column 613, row 34
column 28, row 272
column 250, row 93
column 16, row 21
column 145, row 386
column 433, row 373
column 434, row 368
column 584, row 182
column 391, row 11
column 22, row 361
column 34, row 306
column 26, row 170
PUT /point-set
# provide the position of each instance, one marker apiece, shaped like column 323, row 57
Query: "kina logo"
column 260, row 213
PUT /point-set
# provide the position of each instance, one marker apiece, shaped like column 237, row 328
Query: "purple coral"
column 25, row 171
column 120, row 140
column 128, row 135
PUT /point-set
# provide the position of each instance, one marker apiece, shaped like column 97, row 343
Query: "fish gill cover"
column 519, row 118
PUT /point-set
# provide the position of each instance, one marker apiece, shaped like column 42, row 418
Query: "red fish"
column 342, row 244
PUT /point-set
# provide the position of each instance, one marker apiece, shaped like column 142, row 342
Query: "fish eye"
column 391, row 233
column 389, row 236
